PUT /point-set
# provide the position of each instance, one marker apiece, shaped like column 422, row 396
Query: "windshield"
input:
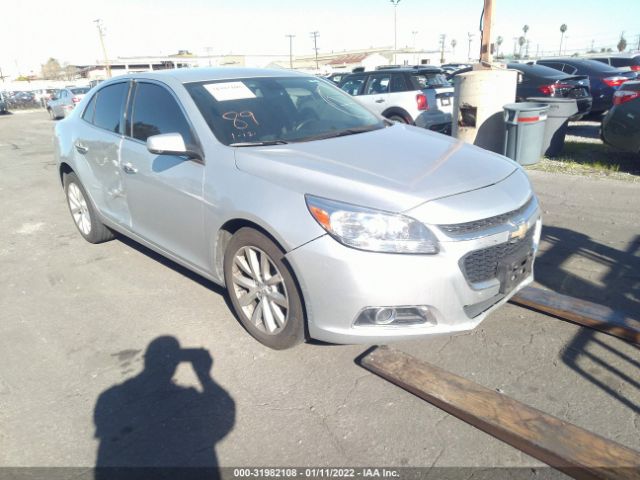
column 279, row 110
column 79, row 91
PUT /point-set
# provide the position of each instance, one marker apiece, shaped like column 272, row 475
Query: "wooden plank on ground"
column 579, row 311
column 566, row 447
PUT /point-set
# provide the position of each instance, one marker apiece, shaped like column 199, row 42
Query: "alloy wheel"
column 79, row 208
column 260, row 290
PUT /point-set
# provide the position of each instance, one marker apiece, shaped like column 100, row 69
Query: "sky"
column 34, row 30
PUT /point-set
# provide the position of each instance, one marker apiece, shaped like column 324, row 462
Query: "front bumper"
column 338, row 282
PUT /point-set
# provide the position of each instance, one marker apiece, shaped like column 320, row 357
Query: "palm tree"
column 521, row 42
column 525, row 29
column 454, row 42
column 563, row 28
column 622, row 44
column 499, row 41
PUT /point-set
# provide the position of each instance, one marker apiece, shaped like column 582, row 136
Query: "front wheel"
column 83, row 212
column 262, row 290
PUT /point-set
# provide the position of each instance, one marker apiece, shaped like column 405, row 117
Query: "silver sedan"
column 322, row 219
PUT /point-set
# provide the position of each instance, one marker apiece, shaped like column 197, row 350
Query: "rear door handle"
column 129, row 168
column 380, row 100
column 81, row 148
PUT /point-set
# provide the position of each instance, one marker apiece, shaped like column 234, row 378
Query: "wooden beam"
column 566, row 447
column 579, row 311
column 487, row 24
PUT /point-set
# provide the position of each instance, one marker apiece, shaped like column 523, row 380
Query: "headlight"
column 372, row 230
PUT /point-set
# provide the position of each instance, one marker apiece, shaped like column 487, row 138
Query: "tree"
column 499, row 41
column 51, row 70
column 622, row 43
column 563, row 28
column 525, row 29
column 521, row 42
column 70, row 72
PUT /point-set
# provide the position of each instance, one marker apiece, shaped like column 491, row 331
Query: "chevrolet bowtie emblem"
column 519, row 231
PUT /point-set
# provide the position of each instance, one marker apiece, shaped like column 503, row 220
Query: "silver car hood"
column 393, row 169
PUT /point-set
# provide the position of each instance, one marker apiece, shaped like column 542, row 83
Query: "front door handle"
column 81, row 148
column 380, row 100
column 129, row 168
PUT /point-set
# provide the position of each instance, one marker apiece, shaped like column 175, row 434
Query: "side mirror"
column 170, row 144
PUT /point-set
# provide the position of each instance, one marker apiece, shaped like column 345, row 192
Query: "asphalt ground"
column 76, row 320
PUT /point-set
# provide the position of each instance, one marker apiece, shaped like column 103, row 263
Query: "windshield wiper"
column 342, row 133
column 258, row 144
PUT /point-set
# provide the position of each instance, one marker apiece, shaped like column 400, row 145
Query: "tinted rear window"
column 79, row 91
column 109, row 106
column 429, row 80
column 591, row 66
column 625, row 62
column 537, row 70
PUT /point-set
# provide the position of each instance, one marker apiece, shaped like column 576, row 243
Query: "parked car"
column 43, row 95
column 541, row 81
column 621, row 61
column 604, row 80
column 21, row 100
column 417, row 96
column 3, row 104
column 64, row 101
column 316, row 214
column 621, row 126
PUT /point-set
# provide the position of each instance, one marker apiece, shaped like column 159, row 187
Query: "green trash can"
column 555, row 128
column 525, row 131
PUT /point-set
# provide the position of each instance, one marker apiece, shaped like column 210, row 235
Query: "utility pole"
column 414, row 33
column 100, row 26
column 315, row 34
column 291, row 52
column 1, row 76
column 470, row 36
column 395, row 23
column 638, row 41
column 208, row 50
column 486, row 52
column 443, row 37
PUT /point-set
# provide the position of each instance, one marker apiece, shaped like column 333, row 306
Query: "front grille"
column 461, row 229
column 482, row 265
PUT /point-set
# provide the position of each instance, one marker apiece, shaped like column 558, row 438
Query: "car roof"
column 588, row 64
column 189, row 75
column 614, row 55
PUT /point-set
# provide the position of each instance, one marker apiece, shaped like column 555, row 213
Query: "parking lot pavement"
column 76, row 320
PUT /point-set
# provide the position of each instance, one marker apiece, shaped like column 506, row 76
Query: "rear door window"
column 398, row 83
column 89, row 111
column 109, row 106
column 155, row 111
column 378, row 84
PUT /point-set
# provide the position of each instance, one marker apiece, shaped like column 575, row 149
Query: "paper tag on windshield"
column 229, row 91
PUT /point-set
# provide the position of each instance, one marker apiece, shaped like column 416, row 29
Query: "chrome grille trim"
column 476, row 226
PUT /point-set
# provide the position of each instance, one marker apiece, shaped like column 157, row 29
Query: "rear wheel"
column 262, row 290
column 83, row 212
column 51, row 114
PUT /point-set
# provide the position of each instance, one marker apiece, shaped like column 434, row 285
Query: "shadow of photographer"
column 150, row 427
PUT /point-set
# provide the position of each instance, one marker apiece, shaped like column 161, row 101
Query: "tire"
column 398, row 118
column 83, row 213
column 273, row 315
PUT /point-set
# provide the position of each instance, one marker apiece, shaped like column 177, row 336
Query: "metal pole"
column 104, row 50
column 486, row 54
column 395, row 23
column 291, row 51
column 469, row 48
column 315, row 34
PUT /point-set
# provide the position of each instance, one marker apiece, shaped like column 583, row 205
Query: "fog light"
column 395, row 316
